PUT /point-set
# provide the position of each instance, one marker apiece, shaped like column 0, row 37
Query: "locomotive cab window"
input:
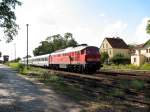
column 92, row 51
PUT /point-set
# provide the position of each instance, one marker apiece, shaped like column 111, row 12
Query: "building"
column 5, row 58
column 114, row 46
column 142, row 54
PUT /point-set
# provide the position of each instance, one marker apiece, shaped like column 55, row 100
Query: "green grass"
column 145, row 66
column 23, row 69
column 127, row 67
column 14, row 65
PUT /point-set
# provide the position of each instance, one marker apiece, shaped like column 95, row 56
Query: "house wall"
column 138, row 58
column 106, row 47
column 146, row 51
column 142, row 55
column 124, row 52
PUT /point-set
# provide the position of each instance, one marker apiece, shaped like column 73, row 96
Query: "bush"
column 104, row 57
column 137, row 84
column 120, row 59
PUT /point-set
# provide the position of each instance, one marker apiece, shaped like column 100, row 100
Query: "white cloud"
column 102, row 15
column 114, row 29
column 140, row 33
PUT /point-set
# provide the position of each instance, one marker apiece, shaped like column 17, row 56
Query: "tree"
column 120, row 59
column 148, row 27
column 44, row 48
column 54, row 43
column 104, row 57
column 69, row 40
column 8, row 18
column 29, row 56
column 0, row 54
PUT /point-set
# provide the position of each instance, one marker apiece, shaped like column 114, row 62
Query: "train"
column 82, row 58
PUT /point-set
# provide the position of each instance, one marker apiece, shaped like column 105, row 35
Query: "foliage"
column 148, row 27
column 120, row 59
column 54, row 43
column 137, row 84
column 0, row 54
column 147, row 43
column 29, row 56
column 104, row 57
column 8, row 18
column 14, row 65
column 16, row 60
column 17, row 66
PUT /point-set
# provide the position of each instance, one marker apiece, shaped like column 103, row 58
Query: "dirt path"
column 20, row 95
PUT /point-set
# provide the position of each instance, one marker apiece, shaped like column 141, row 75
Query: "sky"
column 90, row 21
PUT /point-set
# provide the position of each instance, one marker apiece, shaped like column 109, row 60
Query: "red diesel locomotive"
column 77, row 59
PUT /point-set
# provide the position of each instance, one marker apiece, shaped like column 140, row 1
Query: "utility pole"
column 15, row 50
column 27, row 45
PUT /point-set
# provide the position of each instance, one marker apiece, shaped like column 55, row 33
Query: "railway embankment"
column 97, row 92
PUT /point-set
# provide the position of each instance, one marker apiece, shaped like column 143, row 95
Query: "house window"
column 148, row 59
column 134, row 59
column 110, row 52
column 146, row 50
column 103, row 46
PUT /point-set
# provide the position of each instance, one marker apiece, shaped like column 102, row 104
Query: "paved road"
column 20, row 95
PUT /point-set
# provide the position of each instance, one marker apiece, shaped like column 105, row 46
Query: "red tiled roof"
column 117, row 43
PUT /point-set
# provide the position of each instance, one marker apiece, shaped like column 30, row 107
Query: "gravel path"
column 20, row 95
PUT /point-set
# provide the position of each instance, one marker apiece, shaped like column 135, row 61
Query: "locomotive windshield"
column 92, row 51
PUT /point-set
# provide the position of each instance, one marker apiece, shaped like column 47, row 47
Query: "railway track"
column 94, row 83
column 127, row 75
